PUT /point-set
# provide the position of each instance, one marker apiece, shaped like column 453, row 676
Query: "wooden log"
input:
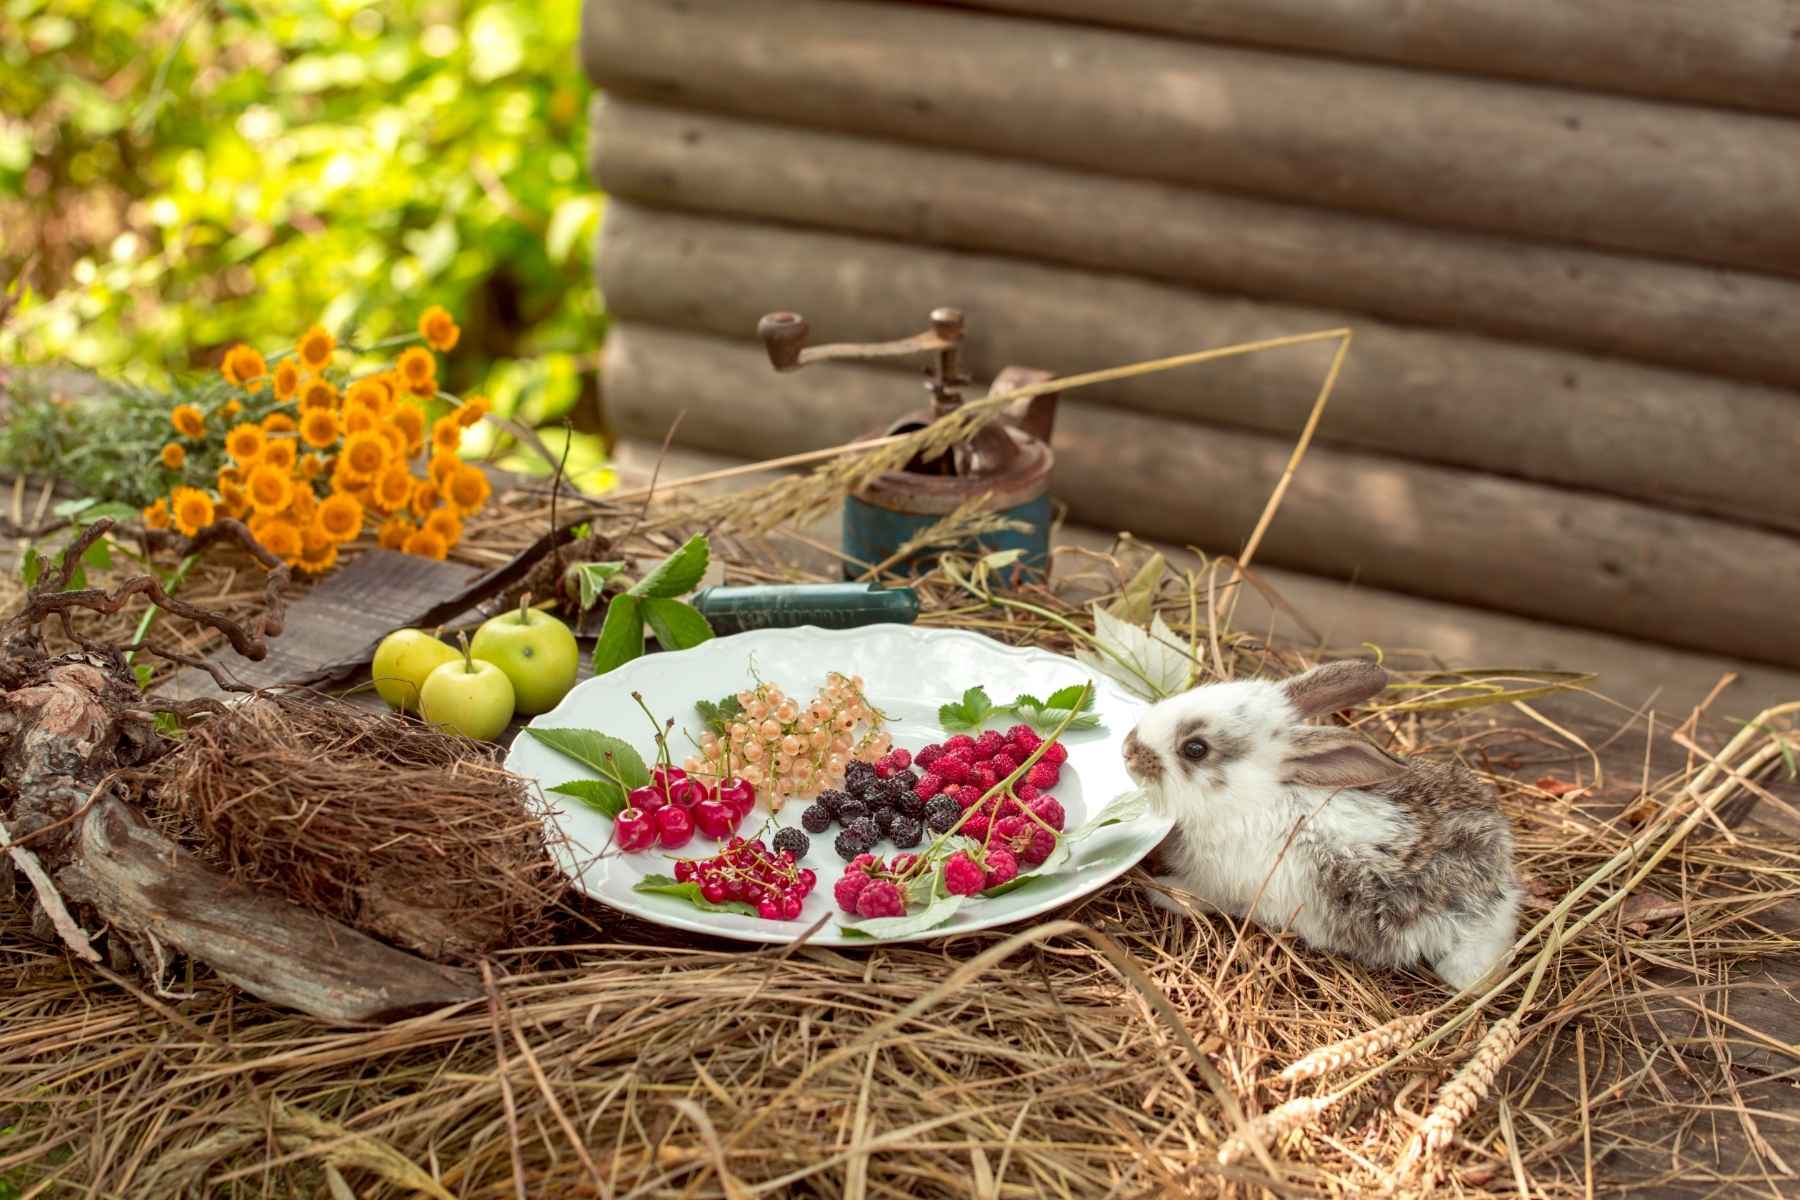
column 1547, row 163
column 1339, row 616
column 1569, row 557
column 1725, row 322
column 1662, row 436
column 1743, row 53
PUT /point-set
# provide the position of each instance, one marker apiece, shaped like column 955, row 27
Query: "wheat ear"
column 1460, row 1097
column 1297, row 1113
column 1367, row 1044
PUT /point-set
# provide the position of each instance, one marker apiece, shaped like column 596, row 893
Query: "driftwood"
column 1686, row 182
column 69, row 726
column 1732, row 323
column 1742, row 53
column 1573, row 557
column 1664, row 437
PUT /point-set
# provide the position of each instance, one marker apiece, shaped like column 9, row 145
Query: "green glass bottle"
column 785, row 605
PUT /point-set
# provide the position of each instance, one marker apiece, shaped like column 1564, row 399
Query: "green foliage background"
column 182, row 176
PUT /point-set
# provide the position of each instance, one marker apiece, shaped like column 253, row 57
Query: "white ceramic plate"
column 907, row 672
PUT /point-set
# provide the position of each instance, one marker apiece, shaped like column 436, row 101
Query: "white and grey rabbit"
column 1389, row 861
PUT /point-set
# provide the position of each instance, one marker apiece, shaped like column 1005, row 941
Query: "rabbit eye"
column 1195, row 749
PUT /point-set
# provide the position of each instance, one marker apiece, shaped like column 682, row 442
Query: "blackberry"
column 906, row 779
column 817, row 817
column 851, row 810
column 906, row 832
column 833, row 799
column 909, row 805
column 941, row 813
column 866, row 831
column 793, row 841
column 851, row 843
column 884, row 819
column 858, row 775
column 885, row 792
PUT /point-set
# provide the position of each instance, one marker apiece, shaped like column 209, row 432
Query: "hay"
column 394, row 828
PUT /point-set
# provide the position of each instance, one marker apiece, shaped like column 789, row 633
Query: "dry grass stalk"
column 1367, row 1044
column 1302, row 1112
column 1463, row 1094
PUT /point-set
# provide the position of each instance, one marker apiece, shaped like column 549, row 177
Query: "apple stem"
column 462, row 635
column 525, row 608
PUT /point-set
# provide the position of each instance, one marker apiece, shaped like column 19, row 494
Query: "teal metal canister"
column 785, row 605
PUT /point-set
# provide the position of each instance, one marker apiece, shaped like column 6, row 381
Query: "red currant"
column 684, row 870
column 715, row 893
column 769, row 909
column 806, row 880
column 634, row 829
column 790, row 906
column 674, row 826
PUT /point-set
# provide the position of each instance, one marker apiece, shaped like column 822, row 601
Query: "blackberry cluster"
column 877, row 801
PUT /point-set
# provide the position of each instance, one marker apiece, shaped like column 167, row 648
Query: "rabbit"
column 1356, row 850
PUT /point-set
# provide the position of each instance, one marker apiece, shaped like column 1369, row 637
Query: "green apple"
column 537, row 652
column 468, row 696
column 403, row 660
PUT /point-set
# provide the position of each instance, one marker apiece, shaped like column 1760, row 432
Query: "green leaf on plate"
column 606, row 754
column 929, row 917
column 662, row 885
column 968, row 713
column 677, row 574
column 677, row 626
column 719, row 716
column 621, row 637
column 602, row 795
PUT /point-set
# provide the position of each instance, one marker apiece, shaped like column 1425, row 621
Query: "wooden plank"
column 1743, row 53
column 1730, row 323
column 1569, row 557
column 1666, row 437
column 1674, row 180
column 1342, row 616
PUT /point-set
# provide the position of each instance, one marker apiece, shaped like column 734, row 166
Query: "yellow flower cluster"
column 315, row 458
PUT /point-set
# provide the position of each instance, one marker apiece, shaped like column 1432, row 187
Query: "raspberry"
column 816, row 818
column 847, row 889
column 793, row 841
column 1006, row 806
column 909, row 805
column 966, row 796
column 1002, row 867
column 1042, row 843
column 942, row 813
column 951, row 769
column 962, row 877
column 906, row 832
column 924, row 758
column 1024, row 736
column 984, row 777
column 975, row 825
column 1056, row 754
column 1003, row 764
column 881, row 898
column 901, row 759
column 989, row 744
column 1025, row 792
column 928, row 787
column 869, row 863
column 883, row 768
column 858, row 775
column 851, row 843
column 961, row 741
column 1049, row 810
column 1010, row 830
column 832, row 799
column 1044, row 775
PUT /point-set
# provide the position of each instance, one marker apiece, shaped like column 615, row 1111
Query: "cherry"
column 714, row 820
column 674, row 827
column 663, row 776
column 634, row 829
column 740, row 794
column 649, row 799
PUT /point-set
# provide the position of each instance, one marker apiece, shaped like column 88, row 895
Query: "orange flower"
column 318, row 426
column 280, row 537
column 173, row 456
column 340, row 517
column 193, row 509
column 363, row 457
column 304, row 508
column 446, row 435
column 318, row 393
column 270, row 489
column 443, row 467
column 243, row 364
column 472, row 410
column 394, row 488
column 425, row 544
column 370, row 390
column 468, row 490
column 278, row 422
column 424, row 499
column 312, row 466
column 438, row 328
column 188, row 420
column 157, row 515
column 395, row 437
column 317, row 561
column 315, row 348
column 409, row 419
column 287, row 379
column 280, row 453
column 394, row 532
column 233, row 407
column 418, row 371
column 233, row 497
column 443, row 522
column 359, row 419
column 244, row 443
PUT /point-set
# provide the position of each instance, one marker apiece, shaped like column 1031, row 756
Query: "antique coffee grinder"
column 1007, row 461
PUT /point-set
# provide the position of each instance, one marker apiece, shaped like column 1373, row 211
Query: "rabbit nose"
column 1140, row 763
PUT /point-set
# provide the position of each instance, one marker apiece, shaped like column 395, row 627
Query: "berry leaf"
column 602, row 795
column 1152, row 663
column 592, row 577
column 1046, row 715
column 1079, row 696
column 718, row 717
column 967, row 713
column 677, row 626
column 929, row 917
column 612, row 758
column 621, row 637
column 677, row 574
column 662, row 885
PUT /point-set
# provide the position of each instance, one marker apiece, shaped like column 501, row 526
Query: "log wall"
column 1574, row 393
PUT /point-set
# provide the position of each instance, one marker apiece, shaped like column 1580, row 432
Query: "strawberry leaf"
column 677, row 574
column 677, row 626
column 621, row 637
column 967, row 713
column 929, row 917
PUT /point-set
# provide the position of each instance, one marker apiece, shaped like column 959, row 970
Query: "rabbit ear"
column 1338, row 758
column 1335, row 686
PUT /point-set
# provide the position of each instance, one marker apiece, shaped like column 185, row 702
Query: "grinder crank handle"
column 784, row 334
